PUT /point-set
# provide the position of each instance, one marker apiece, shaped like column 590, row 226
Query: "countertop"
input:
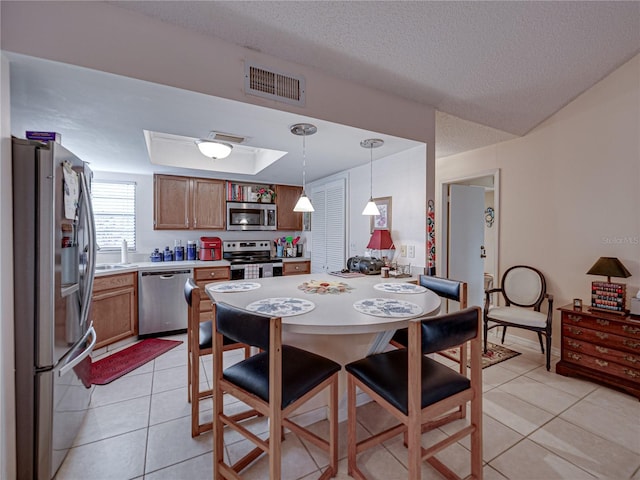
column 151, row 266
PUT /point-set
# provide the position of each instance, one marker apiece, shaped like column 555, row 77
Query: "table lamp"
column 381, row 240
column 607, row 296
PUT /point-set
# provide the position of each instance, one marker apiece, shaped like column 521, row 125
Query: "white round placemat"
column 387, row 307
column 226, row 287
column 282, row 306
column 399, row 287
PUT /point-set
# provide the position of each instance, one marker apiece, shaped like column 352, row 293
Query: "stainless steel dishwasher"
column 161, row 305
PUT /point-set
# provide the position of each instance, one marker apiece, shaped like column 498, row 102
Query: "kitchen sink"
column 108, row 266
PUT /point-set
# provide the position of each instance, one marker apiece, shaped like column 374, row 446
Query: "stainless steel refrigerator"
column 54, row 265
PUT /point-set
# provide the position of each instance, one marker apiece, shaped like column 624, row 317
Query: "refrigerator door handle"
column 91, row 257
column 87, row 351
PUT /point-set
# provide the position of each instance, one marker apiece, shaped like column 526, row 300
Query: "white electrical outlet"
column 403, row 250
column 412, row 251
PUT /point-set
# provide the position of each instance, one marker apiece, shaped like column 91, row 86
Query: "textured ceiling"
column 506, row 65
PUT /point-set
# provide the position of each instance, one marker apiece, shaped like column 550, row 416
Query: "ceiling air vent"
column 228, row 137
column 273, row 85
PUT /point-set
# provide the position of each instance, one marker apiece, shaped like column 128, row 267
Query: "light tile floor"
column 537, row 425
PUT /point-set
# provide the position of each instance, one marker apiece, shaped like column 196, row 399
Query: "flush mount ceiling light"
column 303, row 129
column 213, row 149
column 371, row 208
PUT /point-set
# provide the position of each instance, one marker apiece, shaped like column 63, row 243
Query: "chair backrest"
column 446, row 331
column 242, row 326
column 524, row 286
column 446, row 288
column 189, row 287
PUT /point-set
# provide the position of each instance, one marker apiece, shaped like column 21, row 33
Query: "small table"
column 334, row 328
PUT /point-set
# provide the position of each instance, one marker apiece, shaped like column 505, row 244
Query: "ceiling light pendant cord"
column 371, row 172
column 304, row 162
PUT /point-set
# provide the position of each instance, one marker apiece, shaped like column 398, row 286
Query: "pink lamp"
column 381, row 240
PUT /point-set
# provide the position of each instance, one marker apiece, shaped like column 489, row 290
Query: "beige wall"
column 570, row 189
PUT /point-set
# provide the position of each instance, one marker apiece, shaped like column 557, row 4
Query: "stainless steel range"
column 251, row 259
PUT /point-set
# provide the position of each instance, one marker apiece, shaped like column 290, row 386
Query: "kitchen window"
column 114, row 210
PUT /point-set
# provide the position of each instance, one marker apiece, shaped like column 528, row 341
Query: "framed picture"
column 382, row 221
column 306, row 222
column 577, row 304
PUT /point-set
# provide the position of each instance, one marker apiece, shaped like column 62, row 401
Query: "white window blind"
column 114, row 211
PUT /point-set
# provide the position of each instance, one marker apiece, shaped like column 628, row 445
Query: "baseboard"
column 497, row 334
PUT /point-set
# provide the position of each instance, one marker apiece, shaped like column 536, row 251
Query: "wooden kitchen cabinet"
column 203, row 277
column 286, row 198
column 186, row 203
column 296, row 268
column 114, row 307
column 601, row 346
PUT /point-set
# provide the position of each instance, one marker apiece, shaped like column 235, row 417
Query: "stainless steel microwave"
column 251, row 216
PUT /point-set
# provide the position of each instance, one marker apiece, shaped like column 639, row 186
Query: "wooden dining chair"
column 416, row 389
column 198, row 345
column 274, row 382
column 449, row 290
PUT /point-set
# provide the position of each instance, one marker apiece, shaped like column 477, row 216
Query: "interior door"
column 466, row 239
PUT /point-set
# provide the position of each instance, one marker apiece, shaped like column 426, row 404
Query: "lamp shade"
column 303, row 204
column 371, row 208
column 609, row 267
column 213, row 149
column 381, row 240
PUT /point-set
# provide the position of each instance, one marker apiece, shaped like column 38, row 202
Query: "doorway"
column 482, row 231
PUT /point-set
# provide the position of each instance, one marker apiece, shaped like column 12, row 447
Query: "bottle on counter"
column 191, row 250
column 168, row 255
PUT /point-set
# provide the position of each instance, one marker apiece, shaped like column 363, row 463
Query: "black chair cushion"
column 444, row 287
column 401, row 337
column 386, row 374
column 205, row 337
column 243, row 326
column 301, row 372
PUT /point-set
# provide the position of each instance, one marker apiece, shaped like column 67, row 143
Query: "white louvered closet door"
column 328, row 227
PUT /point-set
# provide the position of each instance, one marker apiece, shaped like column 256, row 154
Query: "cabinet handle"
column 602, row 322
column 630, row 329
column 212, row 274
column 602, row 363
column 575, row 318
column 575, row 331
column 631, row 343
column 631, row 373
column 631, row 359
column 602, row 350
column 574, row 344
column 574, row 356
column 602, row 335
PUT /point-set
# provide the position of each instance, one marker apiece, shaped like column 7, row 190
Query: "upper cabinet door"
column 208, row 204
column 185, row 203
column 286, row 198
column 171, row 196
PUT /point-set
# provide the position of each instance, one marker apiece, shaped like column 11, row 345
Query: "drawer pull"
column 602, row 322
column 602, row 350
column 575, row 318
column 631, row 359
column 630, row 329
column 574, row 344
column 631, row 373
column 575, row 331
column 602, row 363
column 574, row 356
column 602, row 335
column 631, row 344
column 212, row 274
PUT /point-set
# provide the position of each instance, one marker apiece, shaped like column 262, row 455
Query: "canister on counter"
column 384, row 272
column 191, row 250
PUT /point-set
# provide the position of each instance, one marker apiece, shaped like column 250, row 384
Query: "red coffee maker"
column 210, row 248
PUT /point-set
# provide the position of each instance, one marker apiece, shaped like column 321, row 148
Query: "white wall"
column 7, row 388
column 570, row 189
column 401, row 177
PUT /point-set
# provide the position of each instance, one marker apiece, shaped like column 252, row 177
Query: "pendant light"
column 213, row 149
column 303, row 129
column 371, row 208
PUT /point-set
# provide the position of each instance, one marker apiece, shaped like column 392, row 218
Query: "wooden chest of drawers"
column 602, row 347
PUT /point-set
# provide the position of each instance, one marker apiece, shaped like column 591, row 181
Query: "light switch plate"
column 403, row 250
column 412, row 251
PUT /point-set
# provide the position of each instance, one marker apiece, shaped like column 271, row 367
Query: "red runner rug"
column 114, row 366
